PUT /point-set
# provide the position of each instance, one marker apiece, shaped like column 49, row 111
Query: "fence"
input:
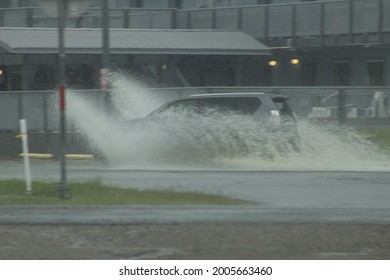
column 40, row 108
column 365, row 21
column 92, row 18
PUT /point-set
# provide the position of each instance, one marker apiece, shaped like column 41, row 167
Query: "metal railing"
column 40, row 108
column 359, row 21
column 305, row 23
column 137, row 18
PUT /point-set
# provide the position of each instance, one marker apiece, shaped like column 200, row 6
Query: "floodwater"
column 173, row 145
column 338, row 176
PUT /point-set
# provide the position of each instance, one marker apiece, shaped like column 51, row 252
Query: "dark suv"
column 231, row 123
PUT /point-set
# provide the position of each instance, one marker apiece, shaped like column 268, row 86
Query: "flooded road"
column 296, row 215
column 280, row 196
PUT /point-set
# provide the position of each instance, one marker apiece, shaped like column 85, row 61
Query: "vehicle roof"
column 239, row 94
column 228, row 94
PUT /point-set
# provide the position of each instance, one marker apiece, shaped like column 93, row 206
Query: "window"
column 178, row 108
column 341, row 72
column 80, row 76
column 211, row 107
column 205, row 4
column 309, row 74
column 156, row 3
column 241, row 105
column 44, row 77
column 375, row 73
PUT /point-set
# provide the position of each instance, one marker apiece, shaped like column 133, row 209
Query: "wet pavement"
column 196, row 242
column 104, row 215
column 297, row 215
column 280, row 197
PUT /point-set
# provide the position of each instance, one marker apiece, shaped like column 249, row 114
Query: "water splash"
column 325, row 147
column 130, row 97
column 176, row 145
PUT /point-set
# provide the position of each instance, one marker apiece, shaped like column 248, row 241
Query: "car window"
column 181, row 107
column 210, row 106
column 229, row 105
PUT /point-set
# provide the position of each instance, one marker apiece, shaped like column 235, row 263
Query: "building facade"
column 313, row 43
column 180, row 4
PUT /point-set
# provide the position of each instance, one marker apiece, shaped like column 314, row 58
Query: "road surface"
column 280, row 197
column 296, row 215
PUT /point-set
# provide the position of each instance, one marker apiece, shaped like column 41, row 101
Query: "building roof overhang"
column 131, row 41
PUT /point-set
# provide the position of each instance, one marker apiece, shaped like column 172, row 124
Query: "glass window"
column 210, row 107
column 309, row 74
column 181, row 108
column 242, row 105
column 186, row 4
column 123, row 3
column 375, row 73
column 341, row 72
column 5, row 4
column 156, row 4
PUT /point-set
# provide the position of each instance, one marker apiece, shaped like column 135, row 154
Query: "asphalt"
column 195, row 242
column 117, row 215
column 297, row 215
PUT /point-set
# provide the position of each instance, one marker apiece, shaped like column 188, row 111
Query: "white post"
column 27, row 170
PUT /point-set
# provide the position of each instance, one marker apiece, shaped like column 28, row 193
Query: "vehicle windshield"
column 211, row 106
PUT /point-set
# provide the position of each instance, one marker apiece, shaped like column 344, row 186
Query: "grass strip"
column 12, row 192
column 378, row 135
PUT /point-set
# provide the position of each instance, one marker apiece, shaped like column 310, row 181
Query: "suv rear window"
column 208, row 106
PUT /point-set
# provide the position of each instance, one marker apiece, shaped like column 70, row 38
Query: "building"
column 180, row 4
column 160, row 58
column 312, row 43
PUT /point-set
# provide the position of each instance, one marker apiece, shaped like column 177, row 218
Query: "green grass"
column 12, row 192
column 379, row 135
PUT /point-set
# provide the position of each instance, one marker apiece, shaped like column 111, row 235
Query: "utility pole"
column 105, row 63
column 64, row 192
column 105, row 35
column 59, row 9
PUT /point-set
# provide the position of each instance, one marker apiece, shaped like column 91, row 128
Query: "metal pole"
column 63, row 189
column 26, row 158
column 105, row 34
column 104, row 71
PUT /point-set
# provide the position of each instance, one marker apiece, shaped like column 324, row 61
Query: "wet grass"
column 13, row 192
column 378, row 135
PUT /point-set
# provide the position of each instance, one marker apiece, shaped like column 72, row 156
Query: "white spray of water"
column 130, row 97
column 175, row 145
column 324, row 148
